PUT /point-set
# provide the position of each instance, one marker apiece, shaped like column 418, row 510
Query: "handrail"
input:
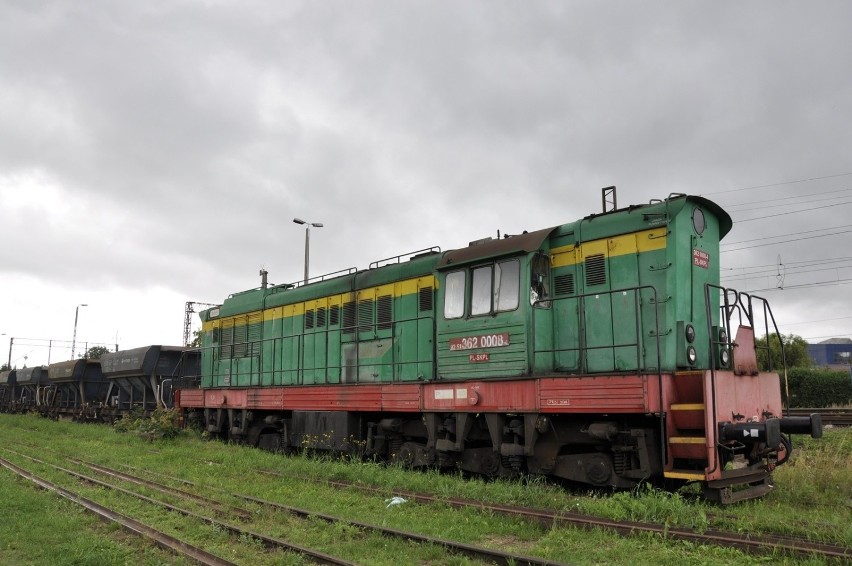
column 584, row 347
column 743, row 306
column 299, row 370
column 424, row 252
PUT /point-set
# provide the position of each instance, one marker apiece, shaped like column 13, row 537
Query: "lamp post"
column 9, row 363
column 307, row 241
column 74, row 339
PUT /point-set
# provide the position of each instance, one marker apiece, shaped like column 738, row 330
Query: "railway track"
column 161, row 539
column 754, row 543
column 835, row 417
column 269, row 542
column 486, row 555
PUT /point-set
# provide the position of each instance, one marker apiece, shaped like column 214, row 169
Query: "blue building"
column 835, row 353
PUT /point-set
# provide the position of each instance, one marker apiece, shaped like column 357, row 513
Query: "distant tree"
column 5, row 367
column 196, row 339
column 795, row 350
column 95, row 352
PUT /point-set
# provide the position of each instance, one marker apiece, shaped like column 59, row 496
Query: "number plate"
column 701, row 259
column 482, row 341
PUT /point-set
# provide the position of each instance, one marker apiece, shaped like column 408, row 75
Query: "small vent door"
column 597, row 308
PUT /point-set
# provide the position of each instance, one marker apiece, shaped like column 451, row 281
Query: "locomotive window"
column 507, row 285
column 698, row 221
column 454, row 295
column 540, row 282
column 480, row 293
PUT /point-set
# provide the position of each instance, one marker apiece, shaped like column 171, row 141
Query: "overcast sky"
column 153, row 153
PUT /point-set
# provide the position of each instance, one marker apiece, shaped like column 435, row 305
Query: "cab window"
column 506, row 285
column 493, row 288
column 540, row 282
column 480, row 296
column 454, row 295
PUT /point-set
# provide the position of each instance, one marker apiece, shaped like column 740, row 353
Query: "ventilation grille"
column 596, row 270
column 240, row 338
column 321, row 317
column 365, row 315
column 425, row 296
column 335, row 316
column 255, row 330
column 384, row 312
column 349, row 317
column 309, row 319
column 226, row 350
column 565, row 284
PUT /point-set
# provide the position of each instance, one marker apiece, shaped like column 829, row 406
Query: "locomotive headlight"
column 724, row 357
column 723, row 336
column 691, row 355
column 690, row 333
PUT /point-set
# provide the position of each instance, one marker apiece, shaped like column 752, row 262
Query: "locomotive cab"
column 486, row 297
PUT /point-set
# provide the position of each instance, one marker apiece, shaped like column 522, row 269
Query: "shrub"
column 163, row 423
column 811, row 387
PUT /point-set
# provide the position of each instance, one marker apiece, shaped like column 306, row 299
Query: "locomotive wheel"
column 405, row 456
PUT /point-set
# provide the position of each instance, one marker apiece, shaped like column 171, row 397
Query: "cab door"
column 482, row 328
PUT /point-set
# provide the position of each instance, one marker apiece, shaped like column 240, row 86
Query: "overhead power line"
column 764, row 206
column 794, row 211
column 776, row 272
column 804, row 285
column 779, row 184
column 784, row 241
column 816, row 321
column 789, row 263
column 784, row 235
column 776, row 199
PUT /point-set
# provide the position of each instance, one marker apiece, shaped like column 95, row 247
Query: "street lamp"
column 9, row 363
column 307, row 241
column 74, row 339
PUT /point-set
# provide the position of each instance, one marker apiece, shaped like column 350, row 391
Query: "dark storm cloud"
column 175, row 141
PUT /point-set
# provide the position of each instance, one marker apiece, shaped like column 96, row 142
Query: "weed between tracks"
column 812, row 498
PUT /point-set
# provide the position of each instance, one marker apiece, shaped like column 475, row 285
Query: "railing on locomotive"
column 637, row 320
column 741, row 304
column 279, row 341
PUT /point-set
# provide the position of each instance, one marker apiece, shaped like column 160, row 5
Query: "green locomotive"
column 598, row 351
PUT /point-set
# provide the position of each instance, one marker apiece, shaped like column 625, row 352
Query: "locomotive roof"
column 612, row 223
column 635, row 217
column 349, row 281
column 527, row 242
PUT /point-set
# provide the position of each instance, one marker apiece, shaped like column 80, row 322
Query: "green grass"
column 813, row 498
column 39, row 528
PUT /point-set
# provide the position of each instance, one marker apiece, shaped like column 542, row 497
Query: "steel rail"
column 495, row 556
column 478, row 552
column 753, row 543
column 220, row 507
column 834, row 416
column 159, row 538
column 268, row 541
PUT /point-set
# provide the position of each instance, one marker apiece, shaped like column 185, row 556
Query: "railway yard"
column 194, row 501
